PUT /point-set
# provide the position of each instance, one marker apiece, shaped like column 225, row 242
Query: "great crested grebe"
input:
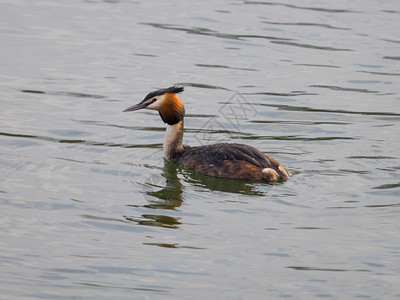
column 225, row 160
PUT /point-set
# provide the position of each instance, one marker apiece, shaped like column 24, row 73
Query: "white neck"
column 173, row 140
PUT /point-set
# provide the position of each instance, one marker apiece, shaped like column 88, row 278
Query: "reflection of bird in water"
column 235, row 161
column 165, row 187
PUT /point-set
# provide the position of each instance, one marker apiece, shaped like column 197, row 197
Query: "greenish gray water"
column 90, row 209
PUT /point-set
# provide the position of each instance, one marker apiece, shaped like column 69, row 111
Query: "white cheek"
column 152, row 106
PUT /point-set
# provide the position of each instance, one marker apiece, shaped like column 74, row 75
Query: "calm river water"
column 89, row 207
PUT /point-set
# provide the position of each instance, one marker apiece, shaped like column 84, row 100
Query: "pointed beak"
column 137, row 106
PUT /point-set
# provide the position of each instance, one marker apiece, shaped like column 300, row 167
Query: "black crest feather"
column 175, row 89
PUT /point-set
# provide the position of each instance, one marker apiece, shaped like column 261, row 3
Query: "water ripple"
column 301, row 268
column 209, row 32
column 156, row 220
column 330, row 10
column 334, row 111
column 299, row 138
column 305, row 123
column 79, row 141
column 118, row 287
column 338, row 88
column 68, row 94
column 282, row 94
column 224, row 67
column 380, row 73
column 306, row 24
column 174, row 246
column 392, row 57
column 387, row 186
column 310, row 46
column 317, row 65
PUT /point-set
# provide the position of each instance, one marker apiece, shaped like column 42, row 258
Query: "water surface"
column 90, row 209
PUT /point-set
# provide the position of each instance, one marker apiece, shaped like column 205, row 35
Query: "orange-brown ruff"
column 236, row 161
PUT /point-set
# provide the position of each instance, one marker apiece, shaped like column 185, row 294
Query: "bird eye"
column 154, row 100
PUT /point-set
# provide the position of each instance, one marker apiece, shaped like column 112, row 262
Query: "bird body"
column 224, row 160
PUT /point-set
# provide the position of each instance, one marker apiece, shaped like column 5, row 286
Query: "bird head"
column 166, row 102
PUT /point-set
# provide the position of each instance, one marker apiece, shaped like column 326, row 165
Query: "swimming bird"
column 225, row 160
